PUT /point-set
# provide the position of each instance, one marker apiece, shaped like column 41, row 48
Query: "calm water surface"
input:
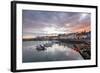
column 56, row 51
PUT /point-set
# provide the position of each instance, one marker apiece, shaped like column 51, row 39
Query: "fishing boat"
column 40, row 48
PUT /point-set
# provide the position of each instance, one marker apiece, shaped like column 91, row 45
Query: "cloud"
column 36, row 21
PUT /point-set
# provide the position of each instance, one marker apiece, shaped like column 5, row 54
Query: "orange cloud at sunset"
column 83, row 27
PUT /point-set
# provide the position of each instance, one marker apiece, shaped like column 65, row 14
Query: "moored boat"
column 40, row 48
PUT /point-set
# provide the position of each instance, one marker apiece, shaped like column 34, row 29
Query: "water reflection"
column 55, row 51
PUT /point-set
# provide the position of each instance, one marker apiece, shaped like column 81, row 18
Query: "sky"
column 42, row 23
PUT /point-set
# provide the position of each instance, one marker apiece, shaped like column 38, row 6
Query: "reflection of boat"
column 40, row 47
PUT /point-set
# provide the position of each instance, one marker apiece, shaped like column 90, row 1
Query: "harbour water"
column 55, row 51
